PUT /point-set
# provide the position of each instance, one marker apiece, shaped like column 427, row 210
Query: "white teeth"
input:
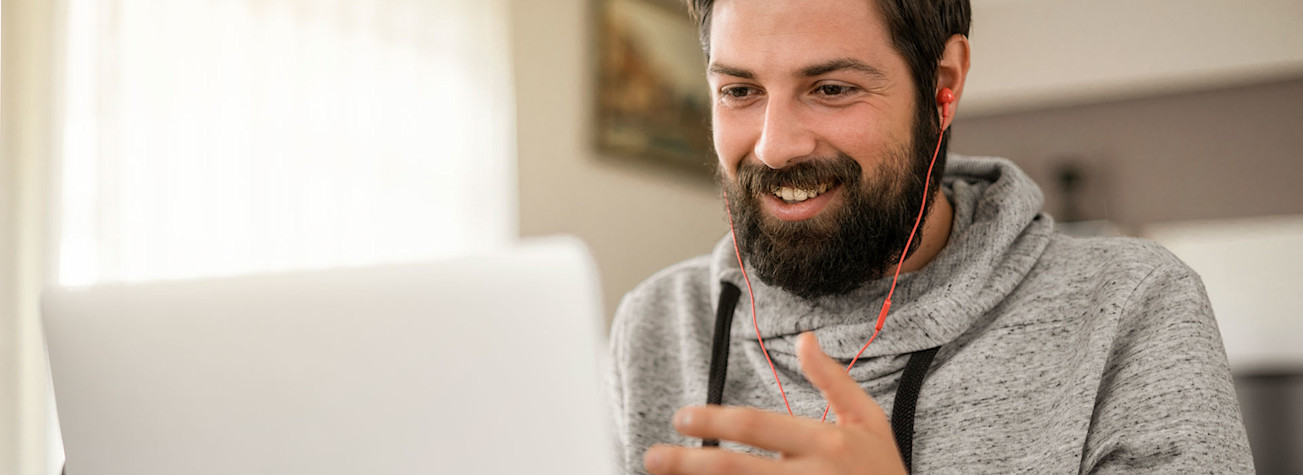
column 797, row 195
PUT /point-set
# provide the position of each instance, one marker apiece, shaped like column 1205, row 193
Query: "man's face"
column 813, row 121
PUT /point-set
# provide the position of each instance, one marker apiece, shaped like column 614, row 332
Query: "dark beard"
column 846, row 245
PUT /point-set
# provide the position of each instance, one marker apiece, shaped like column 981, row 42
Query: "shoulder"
column 1125, row 259
column 1118, row 284
column 1130, row 251
column 665, row 306
column 1154, row 298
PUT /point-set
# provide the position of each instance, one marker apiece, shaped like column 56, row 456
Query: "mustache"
column 757, row 178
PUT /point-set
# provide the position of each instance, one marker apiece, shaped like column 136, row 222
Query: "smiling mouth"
column 792, row 194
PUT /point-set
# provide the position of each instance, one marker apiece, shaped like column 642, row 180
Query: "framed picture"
column 653, row 100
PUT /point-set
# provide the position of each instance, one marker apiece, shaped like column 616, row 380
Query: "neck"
column 935, row 234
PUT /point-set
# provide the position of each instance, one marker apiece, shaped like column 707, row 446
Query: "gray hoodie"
column 1057, row 354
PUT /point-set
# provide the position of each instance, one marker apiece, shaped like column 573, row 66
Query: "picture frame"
column 653, row 101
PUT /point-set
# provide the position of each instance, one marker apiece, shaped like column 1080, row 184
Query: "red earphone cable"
column 732, row 232
column 886, row 303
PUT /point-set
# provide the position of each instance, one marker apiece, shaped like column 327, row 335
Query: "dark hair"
column 919, row 30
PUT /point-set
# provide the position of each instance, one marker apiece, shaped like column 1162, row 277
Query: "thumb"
column 852, row 405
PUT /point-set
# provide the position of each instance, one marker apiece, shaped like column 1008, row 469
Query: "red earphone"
column 946, row 100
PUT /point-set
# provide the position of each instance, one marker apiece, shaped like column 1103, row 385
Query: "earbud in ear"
column 945, row 99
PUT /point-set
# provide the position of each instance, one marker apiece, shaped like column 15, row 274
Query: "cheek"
column 867, row 135
column 857, row 135
column 734, row 139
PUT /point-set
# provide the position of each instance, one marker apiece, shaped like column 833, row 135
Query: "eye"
column 737, row 92
column 737, row 96
column 834, row 90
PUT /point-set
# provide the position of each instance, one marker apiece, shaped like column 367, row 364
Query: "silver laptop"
column 478, row 365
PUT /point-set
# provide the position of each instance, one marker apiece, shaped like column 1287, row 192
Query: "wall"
column 636, row 219
column 1030, row 54
column 1202, row 155
column 26, row 140
column 9, row 327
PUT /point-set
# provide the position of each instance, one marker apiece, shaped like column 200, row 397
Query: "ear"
column 952, row 71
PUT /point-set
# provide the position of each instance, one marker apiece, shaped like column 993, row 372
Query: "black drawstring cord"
column 902, row 410
column 728, row 297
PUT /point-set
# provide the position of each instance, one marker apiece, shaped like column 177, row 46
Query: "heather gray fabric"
column 1058, row 354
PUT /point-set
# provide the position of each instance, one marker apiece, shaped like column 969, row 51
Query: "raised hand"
column 860, row 442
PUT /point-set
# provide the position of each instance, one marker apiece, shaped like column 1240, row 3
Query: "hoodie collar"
column 997, row 235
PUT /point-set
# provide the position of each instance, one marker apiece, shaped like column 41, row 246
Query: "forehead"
column 774, row 35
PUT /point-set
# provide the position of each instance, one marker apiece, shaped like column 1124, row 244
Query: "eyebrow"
column 842, row 64
column 716, row 68
column 814, row 70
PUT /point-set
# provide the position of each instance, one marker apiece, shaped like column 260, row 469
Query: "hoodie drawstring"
column 902, row 410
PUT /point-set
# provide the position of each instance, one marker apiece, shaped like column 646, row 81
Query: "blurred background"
column 162, row 139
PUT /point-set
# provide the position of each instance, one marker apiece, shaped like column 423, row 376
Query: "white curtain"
column 210, row 137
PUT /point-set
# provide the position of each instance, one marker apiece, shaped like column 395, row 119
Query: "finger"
column 672, row 460
column 766, row 430
column 848, row 399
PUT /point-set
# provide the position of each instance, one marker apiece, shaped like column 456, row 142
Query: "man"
column 1009, row 348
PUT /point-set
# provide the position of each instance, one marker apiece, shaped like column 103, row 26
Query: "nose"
column 784, row 137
